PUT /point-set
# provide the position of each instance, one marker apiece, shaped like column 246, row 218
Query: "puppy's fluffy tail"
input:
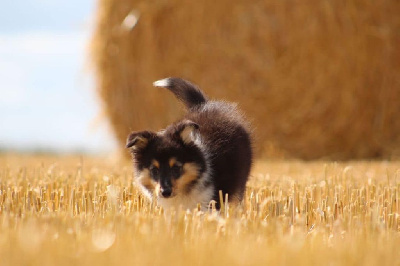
column 185, row 91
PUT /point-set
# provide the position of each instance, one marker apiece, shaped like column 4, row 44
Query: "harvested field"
column 66, row 210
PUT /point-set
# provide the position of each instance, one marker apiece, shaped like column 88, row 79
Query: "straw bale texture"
column 318, row 79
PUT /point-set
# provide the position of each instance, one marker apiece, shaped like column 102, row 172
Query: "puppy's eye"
column 176, row 170
column 154, row 171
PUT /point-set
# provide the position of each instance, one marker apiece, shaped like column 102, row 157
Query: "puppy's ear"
column 188, row 131
column 139, row 140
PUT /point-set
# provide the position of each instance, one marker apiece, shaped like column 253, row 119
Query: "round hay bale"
column 318, row 79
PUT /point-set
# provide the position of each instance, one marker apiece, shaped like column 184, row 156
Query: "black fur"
column 220, row 145
column 187, row 92
column 228, row 142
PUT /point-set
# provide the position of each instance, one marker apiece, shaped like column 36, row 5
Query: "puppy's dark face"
column 167, row 163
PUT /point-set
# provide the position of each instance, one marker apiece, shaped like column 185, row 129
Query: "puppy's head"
column 167, row 163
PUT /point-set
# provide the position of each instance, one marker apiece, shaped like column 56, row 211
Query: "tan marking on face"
column 172, row 161
column 146, row 181
column 155, row 163
column 190, row 173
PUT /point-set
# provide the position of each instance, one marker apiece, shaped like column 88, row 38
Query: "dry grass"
column 85, row 211
column 317, row 78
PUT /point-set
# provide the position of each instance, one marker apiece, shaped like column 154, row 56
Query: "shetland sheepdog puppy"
column 191, row 160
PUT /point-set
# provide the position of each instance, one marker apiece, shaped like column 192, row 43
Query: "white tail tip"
column 162, row 83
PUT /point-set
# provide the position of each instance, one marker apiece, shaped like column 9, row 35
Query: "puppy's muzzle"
column 166, row 192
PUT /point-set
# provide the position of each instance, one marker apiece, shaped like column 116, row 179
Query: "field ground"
column 85, row 211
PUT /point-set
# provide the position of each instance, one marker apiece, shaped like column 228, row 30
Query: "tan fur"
column 146, row 181
column 190, row 173
column 172, row 161
column 156, row 163
column 181, row 195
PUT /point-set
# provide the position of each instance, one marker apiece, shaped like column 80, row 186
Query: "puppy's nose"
column 166, row 192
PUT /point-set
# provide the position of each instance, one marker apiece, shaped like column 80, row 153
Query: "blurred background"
column 317, row 79
column 48, row 101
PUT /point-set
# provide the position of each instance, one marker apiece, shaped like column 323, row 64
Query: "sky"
column 47, row 90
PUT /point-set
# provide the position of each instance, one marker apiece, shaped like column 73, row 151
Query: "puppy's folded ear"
column 139, row 140
column 188, row 131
